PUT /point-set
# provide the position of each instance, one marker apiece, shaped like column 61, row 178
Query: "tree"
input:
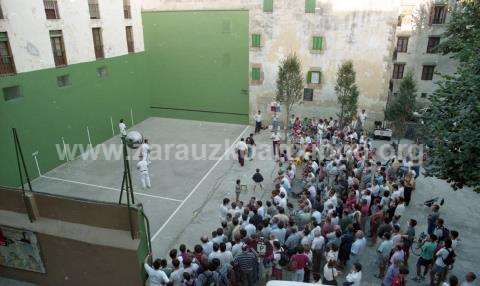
column 347, row 93
column 401, row 109
column 289, row 85
column 451, row 120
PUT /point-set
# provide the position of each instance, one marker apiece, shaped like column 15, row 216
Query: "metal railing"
column 99, row 52
column 6, row 65
column 51, row 9
column 127, row 13
column 60, row 60
column 94, row 11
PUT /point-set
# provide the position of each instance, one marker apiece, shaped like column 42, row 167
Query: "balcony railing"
column 94, row 11
column 51, row 9
column 99, row 52
column 6, row 65
column 130, row 46
column 60, row 60
column 127, row 13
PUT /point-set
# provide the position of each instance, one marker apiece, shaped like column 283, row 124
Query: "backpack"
column 283, row 259
column 445, row 233
column 450, row 259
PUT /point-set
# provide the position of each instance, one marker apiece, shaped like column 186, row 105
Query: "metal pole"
column 23, row 160
column 18, row 160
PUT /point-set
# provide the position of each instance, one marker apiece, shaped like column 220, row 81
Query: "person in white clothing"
column 355, row 276
column 123, row 128
column 145, row 151
column 258, row 121
column 156, row 276
column 142, row 167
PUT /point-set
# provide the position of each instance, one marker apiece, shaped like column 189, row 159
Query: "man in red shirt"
column 298, row 262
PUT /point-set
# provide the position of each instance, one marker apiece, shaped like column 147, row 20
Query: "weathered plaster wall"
column 416, row 26
column 28, row 31
column 362, row 30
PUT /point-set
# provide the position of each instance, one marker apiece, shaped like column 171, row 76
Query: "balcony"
column 6, row 65
column 60, row 60
column 99, row 52
column 51, row 9
column 94, row 11
column 127, row 13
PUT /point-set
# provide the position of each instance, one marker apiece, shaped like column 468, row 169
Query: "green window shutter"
column 256, row 40
column 310, row 6
column 317, row 43
column 3, row 37
column 255, row 73
column 309, row 77
column 267, row 5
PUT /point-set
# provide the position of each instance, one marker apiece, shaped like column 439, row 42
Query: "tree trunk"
column 341, row 116
column 285, row 126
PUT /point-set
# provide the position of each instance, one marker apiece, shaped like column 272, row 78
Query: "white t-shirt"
column 442, row 254
column 355, row 277
column 258, row 117
column 156, row 277
column 242, row 146
column 123, row 128
column 329, row 273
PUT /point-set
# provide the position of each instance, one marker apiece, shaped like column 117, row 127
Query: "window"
column 310, row 6
column 256, row 40
column 267, row 5
column 7, row 66
column 314, row 77
column 51, row 9
column 63, row 80
column 127, row 13
column 398, row 71
column 438, row 14
column 98, row 42
column 400, row 20
column 402, row 44
column 432, row 44
column 423, row 95
column 1, row 12
column 130, row 44
column 317, row 43
column 102, row 72
column 11, row 92
column 427, row 72
column 58, row 48
column 93, row 8
column 308, row 94
column 256, row 74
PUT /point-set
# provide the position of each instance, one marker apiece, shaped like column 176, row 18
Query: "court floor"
column 192, row 170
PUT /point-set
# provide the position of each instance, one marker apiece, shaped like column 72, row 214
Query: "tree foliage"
column 452, row 120
column 347, row 93
column 401, row 109
column 289, row 84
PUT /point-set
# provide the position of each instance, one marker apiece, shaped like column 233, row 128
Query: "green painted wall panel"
column 46, row 113
column 198, row 60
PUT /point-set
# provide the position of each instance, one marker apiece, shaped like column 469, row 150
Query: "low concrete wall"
column 82, row 242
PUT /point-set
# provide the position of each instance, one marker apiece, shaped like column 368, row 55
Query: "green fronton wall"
column 46, row 113
column 198, row 64
column 195, row 66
